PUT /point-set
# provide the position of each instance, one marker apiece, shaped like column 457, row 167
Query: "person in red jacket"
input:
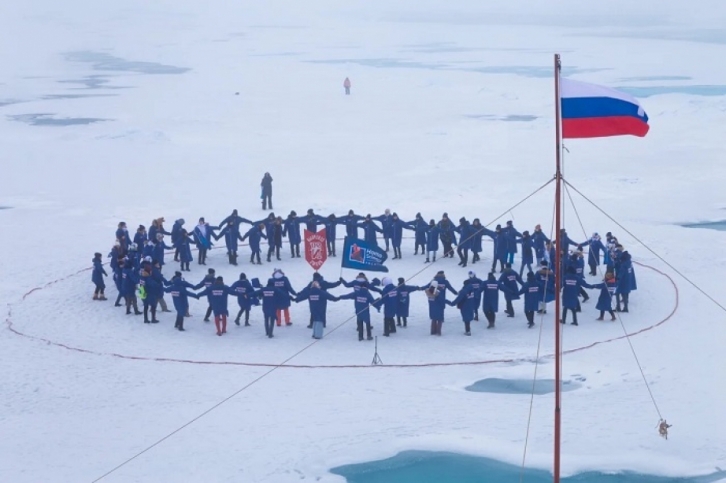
column 346, row 85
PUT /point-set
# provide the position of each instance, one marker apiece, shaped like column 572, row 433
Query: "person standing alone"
column 266, row 195
column 346, row 86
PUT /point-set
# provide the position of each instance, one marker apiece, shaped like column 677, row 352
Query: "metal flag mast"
column 557, row 271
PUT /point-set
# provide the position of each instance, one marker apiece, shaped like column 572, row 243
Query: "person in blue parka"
column 350, row 221
column 436, row 295
column 490, row 298
column 159, row 247
column 476, row 240
column 151, row 291
column 207, row 282
column 116, row 277
column 465, row 241
column 324, row 285
column 532, row 291
column 97, row 277
column 255, row 235
column 511, row 281
column 282, row 283
column 389, row 301
column 361, row 281
column 396, row 231
column 312, row 221
column 180, row 296
column 203, row 233
column 183, row 247
column 607, row 290
column 625, row 276
column 386, row 219
column 369, row 230
column 129, row 281
column 432, row 241
column 363, row 301
column 500, row 248
column 446, row 233
column 511, row 235
column 274, row 238
column 217, row 294
column 478, row 286
column 291, row 229
column 420, row 227
column 539, row 239
column 176, row 230
column 272, row 299
column 266, row 194
column 236, row 222
column 231, row 236
column 571, row 286
column 122, row 237
column 527, row 252
column 404, row 300
column 546, row 278
column 140, row 238
column 330, row 224
column 244, row 291
column 594, row 247
column 466, row 303
column 318, row 302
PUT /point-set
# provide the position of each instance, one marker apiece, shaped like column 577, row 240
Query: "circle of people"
column 137, row 262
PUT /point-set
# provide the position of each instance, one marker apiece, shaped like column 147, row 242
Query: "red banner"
column 316, row 248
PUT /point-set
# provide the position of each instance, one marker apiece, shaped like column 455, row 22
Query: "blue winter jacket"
column 272, row 300
column 363, row 301
column 217, row 295
column 389, row 300
column 404, row 299
column 351, row 224
column 490, row 302
column 369, row 231
column 175, row 231
column 511, row 281
column 465, row 231
column 318, row 301
column 98, row 272
column 283, row 285
column 432, row 238
column 607, row 291
column 183, row 244
column 539, row 240
column 180, row 296
column 204, row 240
column 255, row 235
column 244, row 292
column 420, row 228
column 533, row 294
column 527, row 249
column 291, row 229
column 571, row 285
column 466, row 302
column 386, row 224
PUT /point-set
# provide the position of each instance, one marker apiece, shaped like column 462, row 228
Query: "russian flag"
column 593, row 111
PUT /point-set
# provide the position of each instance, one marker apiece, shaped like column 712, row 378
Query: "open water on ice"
column 711, row 225
column 520, row 386
column 437, row 467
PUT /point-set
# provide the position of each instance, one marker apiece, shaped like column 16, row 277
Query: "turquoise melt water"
column 443, row 467
column 521, row 386
column 711, row 225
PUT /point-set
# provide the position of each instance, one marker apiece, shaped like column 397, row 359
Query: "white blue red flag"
column 593, row 111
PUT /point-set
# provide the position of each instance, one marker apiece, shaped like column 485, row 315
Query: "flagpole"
column 557, row 271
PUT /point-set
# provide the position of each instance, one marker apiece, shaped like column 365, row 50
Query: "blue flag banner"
column 361, row 255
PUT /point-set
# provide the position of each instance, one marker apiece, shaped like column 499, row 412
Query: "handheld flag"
column 316, row 248
column 361, row 255
column 593, row 111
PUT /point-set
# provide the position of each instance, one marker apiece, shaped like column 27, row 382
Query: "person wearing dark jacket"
column 176, row 229
column 266, row 195
column 386, row 218
column 533, row 295
column 571, row 286
column 350, row 221
column 511, row 235
column 318, row 302
column 207, row 282
column 324, row 285
column 404, row 300
column 312, row 221
column 184, row 250
column 500, row 248
column 231, row 237
column 129, row 281
column 217, row 294
column 274, row 237
column 282, row 283
column 420, row 227
column 595, row 246
column 97, row 277
column 180, row 296
column 478, row 233
column 243, row 289
column 432, row 241
column 369, row 230
column 389, row 301
column 465, row 239
column 539, row 240
column 446, row 232
column 396, row 231
column 605, row 301
column 331, row 223
column 291, row 230
column 151, row 291
column 465, row 301
column 363, row 301
column 272, row 300
column 490, row 298
column 527, row 255
column 510, row 280
column 203, row 233
column 255, row 235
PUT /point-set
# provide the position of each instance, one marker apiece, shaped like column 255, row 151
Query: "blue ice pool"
column 520, row 386
column 442, row 467
column 711, row 225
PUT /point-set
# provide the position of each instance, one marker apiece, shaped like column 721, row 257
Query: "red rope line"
column 11, row 328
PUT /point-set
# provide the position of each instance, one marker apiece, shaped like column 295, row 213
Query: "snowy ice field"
column 427, row 128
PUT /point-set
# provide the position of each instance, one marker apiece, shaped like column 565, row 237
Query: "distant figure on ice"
column 346, row 85
column 97, row 277
column 266, row 195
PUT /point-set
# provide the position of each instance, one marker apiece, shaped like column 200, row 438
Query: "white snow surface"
column 421, row 132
